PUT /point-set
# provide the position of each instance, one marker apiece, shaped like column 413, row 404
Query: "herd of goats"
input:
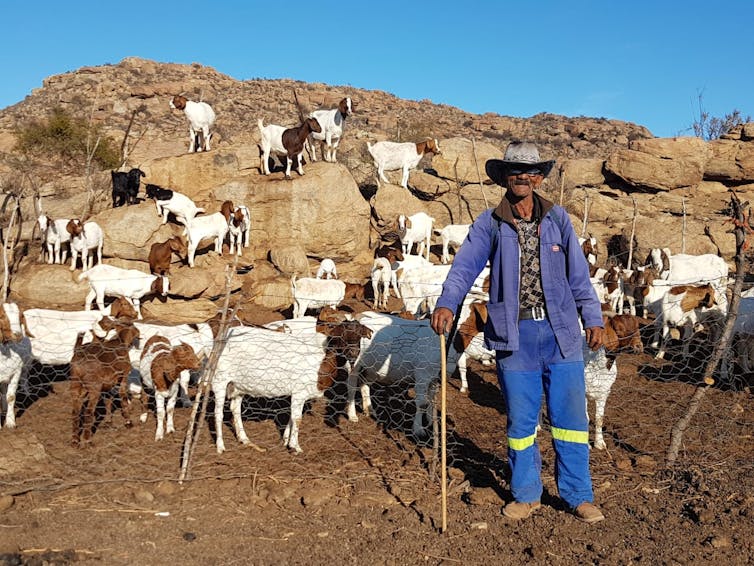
column 111, row 348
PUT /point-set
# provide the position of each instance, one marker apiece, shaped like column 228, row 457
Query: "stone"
column 462, row 161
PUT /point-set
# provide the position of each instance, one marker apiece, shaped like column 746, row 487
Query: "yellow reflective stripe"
column 578, row 436
column 521, row 443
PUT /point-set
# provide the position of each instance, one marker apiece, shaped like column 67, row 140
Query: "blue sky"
column 640, row 61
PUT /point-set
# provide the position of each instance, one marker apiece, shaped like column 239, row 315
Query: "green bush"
column 66, row 136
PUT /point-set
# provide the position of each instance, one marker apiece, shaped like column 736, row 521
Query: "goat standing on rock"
column 201, row 118
column 285, row 141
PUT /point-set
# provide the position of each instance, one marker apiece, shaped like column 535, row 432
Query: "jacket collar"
column 504, row 211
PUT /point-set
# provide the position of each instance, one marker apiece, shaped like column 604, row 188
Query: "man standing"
column 539, row 287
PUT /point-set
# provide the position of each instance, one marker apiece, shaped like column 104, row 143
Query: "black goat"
column 158, row 193
column 126, row 186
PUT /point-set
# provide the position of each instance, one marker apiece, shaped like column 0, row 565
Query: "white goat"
column 399, row 351
column 327, row 269
column 381, row 275
column 53, row 333
column 421, row 287
column 599, row 376
column 201, row 118
column 390, row 156
column 400, row 266
column 214, row 226
column 452, row 235
column 131, row 284
column 15, row 353
column 303, row 369
column 333, row 123
column 86, row 239
column 239, row 228
column 309, row 292
column 54, row 235
column 416, row 228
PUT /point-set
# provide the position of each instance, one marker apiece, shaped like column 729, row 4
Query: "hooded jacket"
column 567, row 289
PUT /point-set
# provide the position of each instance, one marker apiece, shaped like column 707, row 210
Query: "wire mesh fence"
column 380, row 421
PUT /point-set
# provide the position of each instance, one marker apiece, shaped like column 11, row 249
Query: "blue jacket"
column 565, row 276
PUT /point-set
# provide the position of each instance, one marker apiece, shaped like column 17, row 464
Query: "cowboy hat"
column 519, row 156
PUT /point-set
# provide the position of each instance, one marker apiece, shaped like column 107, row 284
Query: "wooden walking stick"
column 443, row 451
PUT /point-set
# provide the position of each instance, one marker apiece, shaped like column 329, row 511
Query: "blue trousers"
column 538, row 366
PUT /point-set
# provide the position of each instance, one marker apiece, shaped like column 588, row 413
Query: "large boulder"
column 730, row 161
column 582, row 172
column 47, row 286
column 462, row 160
column 660, row 163
column 323, row 211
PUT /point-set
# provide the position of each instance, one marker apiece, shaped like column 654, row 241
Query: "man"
column 539, row 287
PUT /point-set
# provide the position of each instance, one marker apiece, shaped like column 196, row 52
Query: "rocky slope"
column 336, row 210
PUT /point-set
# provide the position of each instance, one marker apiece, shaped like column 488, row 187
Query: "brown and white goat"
column 160, row 367
column 97, row 368
column 683, row 306
column 390, row 156
column 285, row 141
column 161, row 254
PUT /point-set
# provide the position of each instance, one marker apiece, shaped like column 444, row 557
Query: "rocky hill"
column 336, row 210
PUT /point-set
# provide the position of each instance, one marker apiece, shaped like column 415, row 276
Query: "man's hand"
column 442, row 320
column 595, row 337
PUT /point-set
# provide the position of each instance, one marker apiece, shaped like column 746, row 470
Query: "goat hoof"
column 129, row 424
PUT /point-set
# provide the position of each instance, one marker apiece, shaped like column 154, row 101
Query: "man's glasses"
column 530, row 172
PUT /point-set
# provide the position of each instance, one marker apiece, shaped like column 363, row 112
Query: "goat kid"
column 239, row 229
column 166, row 201
column 86, row 239
column 212, row 226
column 96, row 368
column 161, row 254
column 160, row 367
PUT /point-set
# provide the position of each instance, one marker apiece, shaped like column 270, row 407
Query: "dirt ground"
column 366, row 492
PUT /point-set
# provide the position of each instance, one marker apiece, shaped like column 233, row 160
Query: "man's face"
column 523, row 183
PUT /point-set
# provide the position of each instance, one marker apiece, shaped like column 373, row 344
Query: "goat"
column 201, row 118
column 213, row 226
column 239, row 228
column 589, row 247
column 600, row 367
column 97, row 368
column 52, row 333
column 86, row 239
column 398, row 351
column 54, row 235
column 160, row 254
column 415, row 228
column 182, row 207
column 390, row 156
column 327, row 269
column 452, row 235
column 309, row 292
column 333, row 123
column 468, row 340
column 160, row 367
column 420, row 287
column 285, row 141
column 130, row 284
column 682, row 306
column 381, row 274
column 15, row 353
column 306, row 370
column 126, row 186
